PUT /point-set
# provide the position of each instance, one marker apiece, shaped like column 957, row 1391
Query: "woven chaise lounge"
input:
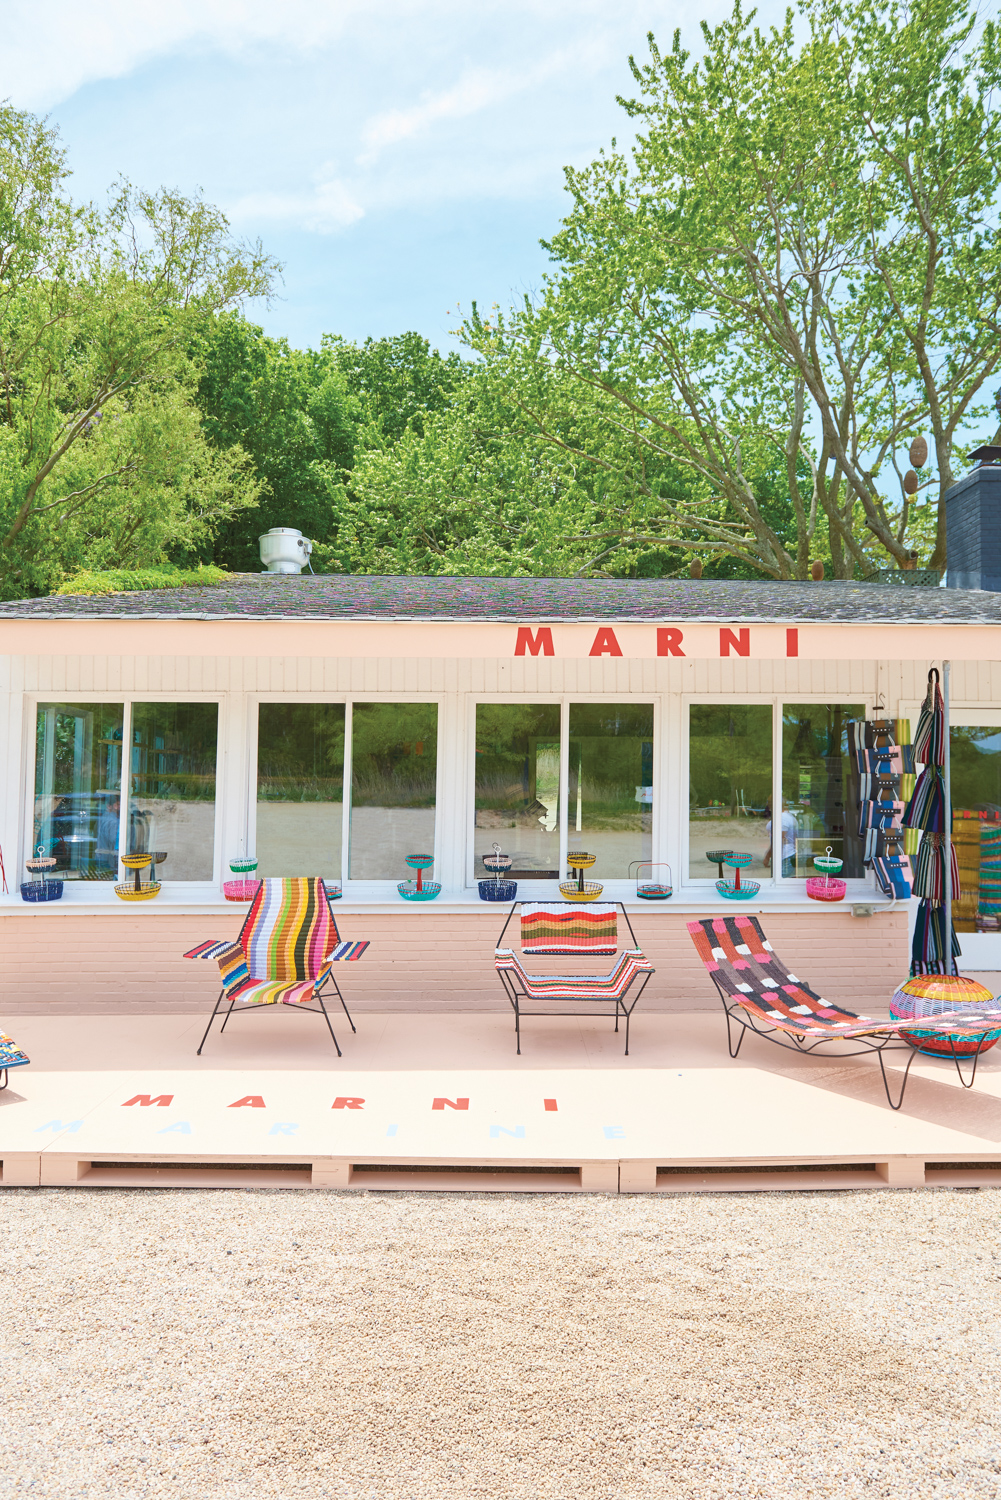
column 285, row 952
column 11, row 1056
column 563, row 930
column 759, row 994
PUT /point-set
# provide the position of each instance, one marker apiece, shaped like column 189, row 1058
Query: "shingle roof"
column 253, row 596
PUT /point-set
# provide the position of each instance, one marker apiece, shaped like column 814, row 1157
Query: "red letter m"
column 146, row 1100
column 542, row 641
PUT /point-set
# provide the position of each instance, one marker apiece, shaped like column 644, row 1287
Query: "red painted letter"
column 146, row 1100
column 740, row 640
column 669, row 640
column 549, row 1103
column 542, row 641
column 250, row 1101
column 452, row 1103
column 605, row 643
column 342, row 1103
column 792, row 642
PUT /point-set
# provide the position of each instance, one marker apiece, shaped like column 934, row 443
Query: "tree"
column 797, row 266
column 97, row 310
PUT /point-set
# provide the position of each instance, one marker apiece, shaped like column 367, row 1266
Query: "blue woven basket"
column 41, row 890
column 497, row 890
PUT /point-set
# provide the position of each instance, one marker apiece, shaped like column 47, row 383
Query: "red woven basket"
column 240, row 890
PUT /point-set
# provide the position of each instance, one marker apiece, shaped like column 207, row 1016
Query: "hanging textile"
column 932, row 952
column 879, row 764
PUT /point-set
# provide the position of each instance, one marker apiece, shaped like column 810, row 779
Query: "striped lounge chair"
column 11, row 1056
column 285, row 952
column 566, row 928
column 759, row 994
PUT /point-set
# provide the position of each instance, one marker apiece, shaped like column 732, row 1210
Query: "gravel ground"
column 421, row 1346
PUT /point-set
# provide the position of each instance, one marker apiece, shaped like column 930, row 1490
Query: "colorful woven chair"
column 11, row 1056
column 759, row 994
column 285, row 952
column 565, row 928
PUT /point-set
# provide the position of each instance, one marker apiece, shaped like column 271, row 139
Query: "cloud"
column 330, row 206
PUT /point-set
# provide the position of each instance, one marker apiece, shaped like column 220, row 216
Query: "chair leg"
column 903, row 1086
column 5, row 1075
column 337, row 991
column 976, row 1058
column 208, row 1028
column 222, row 1028
column 627, row 1014
column 517, row 1025
column 329, row 1027
column 729, row 1036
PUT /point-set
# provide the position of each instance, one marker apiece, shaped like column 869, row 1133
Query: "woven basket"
column 144, row 893
column 408, row 890
column 820, row 889
column 571, row 891
column 240, row 890
column 747, row 891
column 41, row 890
column 497, row 890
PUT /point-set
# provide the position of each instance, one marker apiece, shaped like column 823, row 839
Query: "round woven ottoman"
column 937, row 995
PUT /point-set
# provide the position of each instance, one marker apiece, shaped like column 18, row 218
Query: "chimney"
column 973, row 525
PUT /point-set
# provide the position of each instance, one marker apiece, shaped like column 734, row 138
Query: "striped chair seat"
column 11, row 1056
column 610, row 986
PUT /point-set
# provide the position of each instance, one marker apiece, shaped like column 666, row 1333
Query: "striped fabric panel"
column 233, row 967
column 290, row 929
column 210, row 949
column 577, row 986
column 569, row 929
column 273, row 992
column 346, row 952
column 11, row 1055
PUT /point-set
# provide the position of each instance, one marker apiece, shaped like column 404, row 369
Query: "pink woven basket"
column 240, row 890
column 820, row 888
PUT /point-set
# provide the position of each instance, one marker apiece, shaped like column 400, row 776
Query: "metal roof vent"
column 285, row 550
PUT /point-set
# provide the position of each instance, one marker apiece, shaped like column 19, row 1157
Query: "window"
column 975, row 767
column 172, row 786
column 394, row 768
column 729, row 785
column 78, row 780
column 610, row 785
column 300, row 788
column 518, row 787
column 815, row 802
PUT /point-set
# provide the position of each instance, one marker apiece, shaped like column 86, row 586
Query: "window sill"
column 381, row 897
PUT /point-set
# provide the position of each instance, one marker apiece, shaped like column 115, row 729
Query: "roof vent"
column 284, row 550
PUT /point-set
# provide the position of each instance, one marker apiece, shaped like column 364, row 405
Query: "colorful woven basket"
column 940, row 995
column 589, row 890
column 745, row 891
column 138, row 893
column 497, row 890
column 821, row 888
column 41, row 890
column 427, row 891
column 240, row 890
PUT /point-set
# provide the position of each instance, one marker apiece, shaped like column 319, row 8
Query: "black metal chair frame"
column 316, row 995
column 513, row 992
column 737, row 1015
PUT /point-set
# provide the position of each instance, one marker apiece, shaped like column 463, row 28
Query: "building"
column 334, row 725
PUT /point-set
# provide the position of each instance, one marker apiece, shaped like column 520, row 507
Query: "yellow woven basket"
column 590, row 891
column 144, row 893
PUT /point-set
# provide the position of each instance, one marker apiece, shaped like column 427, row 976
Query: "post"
column 947, row 844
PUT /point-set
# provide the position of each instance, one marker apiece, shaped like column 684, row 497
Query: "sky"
column 401, row 159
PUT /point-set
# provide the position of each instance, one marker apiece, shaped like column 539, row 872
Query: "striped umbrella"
column 929, row 808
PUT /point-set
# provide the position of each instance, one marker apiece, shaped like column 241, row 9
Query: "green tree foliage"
column 103, row 461
column 794, row 272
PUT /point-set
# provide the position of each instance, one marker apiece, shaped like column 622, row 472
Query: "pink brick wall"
column 424, row 961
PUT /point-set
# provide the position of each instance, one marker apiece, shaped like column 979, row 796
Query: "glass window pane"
column 729, row 785
column 518, row 787
column 975, row 754
column 300, row 789
column 78, row 780
column 816, row 810
column 172, row 786
column 394, row 767
column 610, row 785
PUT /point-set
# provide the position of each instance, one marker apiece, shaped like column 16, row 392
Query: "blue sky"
column 401, row 159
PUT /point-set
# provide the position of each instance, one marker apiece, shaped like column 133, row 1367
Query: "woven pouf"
column 937, row 995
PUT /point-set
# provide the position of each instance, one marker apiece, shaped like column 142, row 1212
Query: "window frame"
column 35, row 700
column 254, row 701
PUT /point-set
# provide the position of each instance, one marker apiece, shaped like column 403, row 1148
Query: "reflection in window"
column 300, row 789
column 610, row 788
column 78, row 778
column 172, row 775
column 975, row 752
column 518, row 787
column 729, row 784
column 394, row 765
column 816, row 810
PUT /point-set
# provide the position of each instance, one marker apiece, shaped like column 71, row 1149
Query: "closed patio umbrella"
column 936, row 873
